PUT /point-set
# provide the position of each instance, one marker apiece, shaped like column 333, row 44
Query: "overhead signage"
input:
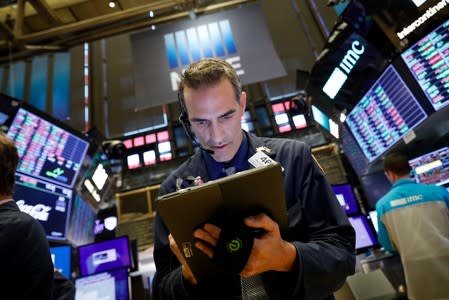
column 341, row 72
column 160, row 56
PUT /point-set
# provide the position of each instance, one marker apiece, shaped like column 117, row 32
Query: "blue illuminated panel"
column 428, row 61
column 384, row 115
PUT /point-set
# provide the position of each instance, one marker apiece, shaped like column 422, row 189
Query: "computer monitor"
column 50, row 204
column 432, row 167
column 346, row 198
column 111, row 285
column 48, row 149
column 104, row 256
column 82, row 222
column 365, row 237
column 375, row 186
column 62, row 259
column 373, row 218
column 8, row 109
column 427, row 60
column 384, row 114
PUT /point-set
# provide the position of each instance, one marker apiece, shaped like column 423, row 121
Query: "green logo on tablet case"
column 234, row 245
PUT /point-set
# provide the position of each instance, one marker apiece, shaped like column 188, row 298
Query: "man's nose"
column 216, row 132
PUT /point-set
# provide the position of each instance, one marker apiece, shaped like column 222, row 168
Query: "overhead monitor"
column 365, row 236
column 111, row 285
column 48, row 203
column 428, row 61
column 353, row 152
column 432, row 167
column 346, row 198
column 48, row 149
column 104, row 256
column 62, row 259
column 384, row 114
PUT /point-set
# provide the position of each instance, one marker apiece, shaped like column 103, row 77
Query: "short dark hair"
column 8, row 164
column 397, row 162
column 208, row 72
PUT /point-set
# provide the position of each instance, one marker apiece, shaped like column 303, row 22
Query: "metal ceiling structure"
column 30, row 27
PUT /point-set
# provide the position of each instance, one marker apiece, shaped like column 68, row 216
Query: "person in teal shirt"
column 413, row 220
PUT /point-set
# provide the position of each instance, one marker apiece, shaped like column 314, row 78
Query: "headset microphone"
column 184, row 120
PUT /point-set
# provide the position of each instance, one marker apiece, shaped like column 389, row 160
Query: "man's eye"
column 200, row 123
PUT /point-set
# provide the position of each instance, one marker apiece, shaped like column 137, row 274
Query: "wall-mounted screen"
column 365, row 236
column 384, row 114
column 432, row 168
column 46, row 202
column 346, row 198
column 428, row 61
column 108, row 285
column 47, row 150
column 353, row 152
column 62, row 259
column 104, row 256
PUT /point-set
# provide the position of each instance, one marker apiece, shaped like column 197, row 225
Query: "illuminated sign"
column 421, row 20
column 340, row 73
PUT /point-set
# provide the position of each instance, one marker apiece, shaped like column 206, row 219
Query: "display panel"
column 104, row 256
column 428, row 61
column 384, row 114
column 432, row 168
column 346, row 198
column 47, row 151
column 365, row 237
column 373, row 218
column 82, row 222
column 111, row 285
column 8, row 109
column 352, row 151
column 46, row 202
column 62, row 259
column 375, row 185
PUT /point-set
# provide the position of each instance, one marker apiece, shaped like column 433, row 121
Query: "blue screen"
column 346, row 198
column 62, row 259
column 384, row 114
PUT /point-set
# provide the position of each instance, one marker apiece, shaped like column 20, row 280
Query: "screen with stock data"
column 428, row 61
column 432, row 167
column 46, row 151
column 384, row 114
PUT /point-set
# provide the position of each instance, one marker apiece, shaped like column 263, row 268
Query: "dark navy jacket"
column 318, row 228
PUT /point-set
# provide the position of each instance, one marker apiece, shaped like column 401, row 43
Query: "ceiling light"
column 111, row 4
column 151, row 13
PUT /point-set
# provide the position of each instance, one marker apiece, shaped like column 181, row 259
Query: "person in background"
column 310, row 261
column 413, row 220
column 26, row 269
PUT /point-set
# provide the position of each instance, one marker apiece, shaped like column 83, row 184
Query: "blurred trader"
column 26, row 269
column 414, row 221
column 311, row 261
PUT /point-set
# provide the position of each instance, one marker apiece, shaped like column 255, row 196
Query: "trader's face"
column 215, row 117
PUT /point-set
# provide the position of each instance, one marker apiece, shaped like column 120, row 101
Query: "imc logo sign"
column 205, row 41
column 340, row 73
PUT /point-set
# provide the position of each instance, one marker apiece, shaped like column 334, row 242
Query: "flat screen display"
column 111, row 285
column 428, row 61
column 62, row 259
column 104, row 256
column 346, row 198
column 365, row 237
column 432, row 168
column 82, row 222
column 375, row 186
column 46, row 202
column 374, row 221
column 47, row 151
column 384, row 114
column 353, row 152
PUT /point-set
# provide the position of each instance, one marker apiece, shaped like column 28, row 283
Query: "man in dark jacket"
column 26, row 269
column 310, row 261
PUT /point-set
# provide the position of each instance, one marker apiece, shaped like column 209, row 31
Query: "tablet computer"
column 241, row 194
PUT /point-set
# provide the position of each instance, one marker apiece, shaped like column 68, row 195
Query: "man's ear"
column 242, row 101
